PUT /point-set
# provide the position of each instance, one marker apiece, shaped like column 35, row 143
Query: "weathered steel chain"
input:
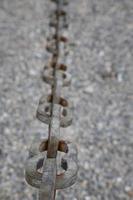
column 41, row 169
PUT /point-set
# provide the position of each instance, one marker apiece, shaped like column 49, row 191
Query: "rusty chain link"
column 41, row 169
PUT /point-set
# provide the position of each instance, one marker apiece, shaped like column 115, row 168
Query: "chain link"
column 41, row 169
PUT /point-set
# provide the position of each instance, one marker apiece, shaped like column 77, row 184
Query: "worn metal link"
column 44, row 111
column 41, row 170
column 38, row 157
column 48, row 76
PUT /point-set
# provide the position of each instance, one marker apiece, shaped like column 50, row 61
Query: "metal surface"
column 41, row 169
column 44, row 112
column 38, row 157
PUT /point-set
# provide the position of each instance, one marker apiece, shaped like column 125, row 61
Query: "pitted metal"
column 44, row 111
column 37, row 160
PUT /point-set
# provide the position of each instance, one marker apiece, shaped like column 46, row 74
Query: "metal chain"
column 41, row 169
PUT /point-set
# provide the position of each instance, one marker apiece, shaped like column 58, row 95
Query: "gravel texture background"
column 100, row 60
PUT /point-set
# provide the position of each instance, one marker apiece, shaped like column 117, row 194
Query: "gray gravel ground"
column 100, row 60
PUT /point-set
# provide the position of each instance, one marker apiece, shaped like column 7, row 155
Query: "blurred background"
column 100, row 61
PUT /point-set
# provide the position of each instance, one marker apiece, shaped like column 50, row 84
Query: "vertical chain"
column 54, row 126
column 41, row 169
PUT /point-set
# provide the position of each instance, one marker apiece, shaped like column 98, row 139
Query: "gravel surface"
column 100, row 60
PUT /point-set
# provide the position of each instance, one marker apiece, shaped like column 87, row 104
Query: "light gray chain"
column 41, row 169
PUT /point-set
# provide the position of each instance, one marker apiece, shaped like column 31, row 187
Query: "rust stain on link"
column 52, row 64
column 58, row 100
column 60, row 38
column 63, row 147
column 60, row 12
